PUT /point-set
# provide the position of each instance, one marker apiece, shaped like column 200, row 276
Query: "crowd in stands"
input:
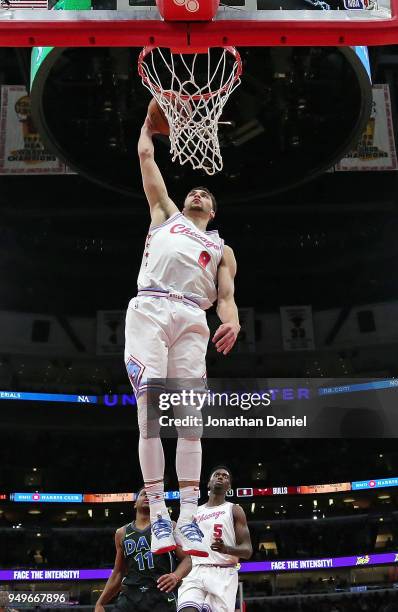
column 313, row 539
column 64, row 549
column 55, row 546
column 281, row 462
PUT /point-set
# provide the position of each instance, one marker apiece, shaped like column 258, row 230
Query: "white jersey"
column 216, row 522
column 179, row 257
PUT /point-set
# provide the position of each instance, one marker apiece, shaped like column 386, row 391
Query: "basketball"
column 158, row 118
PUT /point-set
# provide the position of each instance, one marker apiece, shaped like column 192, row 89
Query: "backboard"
column 121, row 23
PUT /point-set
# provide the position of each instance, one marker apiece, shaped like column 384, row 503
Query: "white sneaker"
column 189, row 537
column 162, row 539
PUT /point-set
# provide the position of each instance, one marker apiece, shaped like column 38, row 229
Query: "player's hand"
column 167, row 582
column 219, row 546
column 225, row 337
column 99, row 608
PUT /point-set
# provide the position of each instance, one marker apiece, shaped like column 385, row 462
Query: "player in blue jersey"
column 146, row 582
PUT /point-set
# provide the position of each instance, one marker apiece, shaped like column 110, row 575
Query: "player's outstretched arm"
column 160, row 205
column 114, row 581
column 226, row 334
column 242, row 533
column 243, row 548
column 168, row 582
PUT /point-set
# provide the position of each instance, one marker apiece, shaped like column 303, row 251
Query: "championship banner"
column 21, row 150
column 297, row 328
column 110, row 332
column 376, row 148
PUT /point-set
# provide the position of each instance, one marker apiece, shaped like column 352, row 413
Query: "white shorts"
column 209, row 589
column 164, row 339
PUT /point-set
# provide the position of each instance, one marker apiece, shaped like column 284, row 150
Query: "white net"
column 192, row 90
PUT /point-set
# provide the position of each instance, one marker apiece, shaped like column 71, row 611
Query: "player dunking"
column 183, row 271
column 147, row 582
column 213, row 582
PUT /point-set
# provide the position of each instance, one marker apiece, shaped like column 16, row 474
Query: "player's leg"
column 187, row 360
column 191, row 594
column 146, row 358
column 151, row 456
column 154, row 600
column 149, row 599
column 127, row 600
column 222, row 586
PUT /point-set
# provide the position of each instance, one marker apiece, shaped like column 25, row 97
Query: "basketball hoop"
column 192, row 89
